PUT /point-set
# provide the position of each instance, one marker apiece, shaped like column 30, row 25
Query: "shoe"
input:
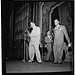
column 23, row 61
column 30, row 61
column 60, row 63
column 39, row 61
column 55, row 62
column 47, row 60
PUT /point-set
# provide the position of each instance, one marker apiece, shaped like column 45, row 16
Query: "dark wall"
column 55, row 15
column 21, row 21
column 5, row 12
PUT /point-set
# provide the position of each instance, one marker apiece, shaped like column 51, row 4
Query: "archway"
column 54, row 15
column 51, row 12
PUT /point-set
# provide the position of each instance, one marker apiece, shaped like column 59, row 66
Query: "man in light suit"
column 34, row 43
column 60, row 32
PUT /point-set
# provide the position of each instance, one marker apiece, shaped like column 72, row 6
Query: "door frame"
column 50, row 13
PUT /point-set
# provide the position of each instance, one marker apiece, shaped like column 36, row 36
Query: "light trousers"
column 34, row 49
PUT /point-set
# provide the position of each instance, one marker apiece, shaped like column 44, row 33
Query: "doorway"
column 54, row 15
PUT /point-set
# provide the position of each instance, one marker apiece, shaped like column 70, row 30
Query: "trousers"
column 34, row 49
column 49, row 51
column 58, row 53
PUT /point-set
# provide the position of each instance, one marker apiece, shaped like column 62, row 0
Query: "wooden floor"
column 17, row 66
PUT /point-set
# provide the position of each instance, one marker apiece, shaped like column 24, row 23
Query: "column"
column 59, row 14
column 33, row 11
column 36, row 13
column 50, row 19
column 40, row 21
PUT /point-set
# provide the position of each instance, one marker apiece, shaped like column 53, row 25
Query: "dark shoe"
column 23, row 61
column 47, row 60
column 51, row 60
column 55, row 63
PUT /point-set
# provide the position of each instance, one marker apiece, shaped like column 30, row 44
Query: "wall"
column 24, row 14
column 21, row 22
column 66, row 19
column 45, row 18
column 46, row 8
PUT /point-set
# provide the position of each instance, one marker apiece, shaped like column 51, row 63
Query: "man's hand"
column 69, row 45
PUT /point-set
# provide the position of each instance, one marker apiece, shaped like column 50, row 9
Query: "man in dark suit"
column 59, row 32
column 48, row 40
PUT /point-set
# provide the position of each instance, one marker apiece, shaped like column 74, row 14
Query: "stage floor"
column 17, row 66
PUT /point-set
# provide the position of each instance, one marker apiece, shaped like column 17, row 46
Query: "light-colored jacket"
column 35, row 36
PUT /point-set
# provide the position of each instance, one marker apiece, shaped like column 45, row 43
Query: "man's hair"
column 32, row 22
column 58, row 21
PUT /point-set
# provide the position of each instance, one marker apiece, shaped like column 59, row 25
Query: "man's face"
column 32, row 24
column 56, row 22
column 48, row 33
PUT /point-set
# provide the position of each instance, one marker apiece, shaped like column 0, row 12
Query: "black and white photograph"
column 37, row 36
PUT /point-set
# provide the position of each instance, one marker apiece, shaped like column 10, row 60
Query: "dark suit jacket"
column 48, row 42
